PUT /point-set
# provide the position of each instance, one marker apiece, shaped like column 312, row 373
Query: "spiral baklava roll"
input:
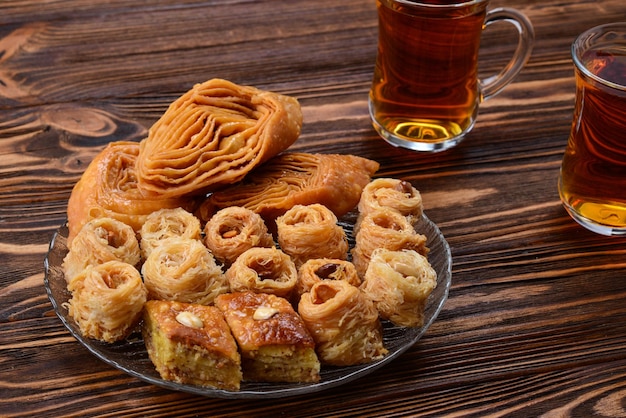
column 100, row 240
column 318, row 269
column 183, row 270
column 168, row 223
column 343, row 322
column 399, row 283
column 263, row 270
column 391, row 193
column 297, row 178
column 384, row 228
column 213, row 135
column 107, row 300
column 306, row 232
column 108, row 188
column 232, row 231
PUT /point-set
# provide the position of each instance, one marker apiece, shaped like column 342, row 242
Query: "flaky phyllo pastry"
column 290, row 179
column 391, row 193
column 399, row 283
column 311, row 231
column 108, row 188
column 343, row 322
column 183, row 270
column 191, row 344
column 274, row 343
column 384, row 228
column 168, row 223
column 318, row 269
column 213, row 135
column 107, row 300
column 98, row 241
column 232, row 231
column 263, row 270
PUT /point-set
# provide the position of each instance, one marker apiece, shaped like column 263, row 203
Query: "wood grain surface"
column 535, row 320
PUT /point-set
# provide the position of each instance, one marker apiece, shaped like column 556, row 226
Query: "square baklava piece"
column 274, row 343
column 191, row 344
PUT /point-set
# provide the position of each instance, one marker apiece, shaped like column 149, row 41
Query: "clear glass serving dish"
column 131, row 357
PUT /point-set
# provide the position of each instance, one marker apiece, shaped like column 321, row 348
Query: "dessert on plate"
column 275, row 345
column 191, row 344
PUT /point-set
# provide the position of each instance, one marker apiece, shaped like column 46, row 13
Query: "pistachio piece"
column 189, row 320
column 264, row 312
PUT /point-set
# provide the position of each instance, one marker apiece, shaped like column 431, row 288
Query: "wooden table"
column 534, row 323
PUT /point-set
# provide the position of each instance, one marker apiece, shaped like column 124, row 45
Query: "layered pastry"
column 191, row 344
column 232, row 231
column 98, row 241
column 318, row 269
column 290, row 179
column 399, row 283
column 213, row 135
column 274, row 343
column 108, row 188
column 384, row 228
column 263, row 270
column 107, row 300
column 343, row 322
column 391, row 193
column 183, row 270
column 168, row 223
column 311, row 231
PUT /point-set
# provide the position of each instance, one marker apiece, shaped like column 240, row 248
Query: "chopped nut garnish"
column 264, row 312
column 326, row 271
column 230, row 234
column 189, row 319
column 405, row 187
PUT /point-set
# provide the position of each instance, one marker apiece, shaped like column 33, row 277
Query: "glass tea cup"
column 592, row 180
column 425, row 90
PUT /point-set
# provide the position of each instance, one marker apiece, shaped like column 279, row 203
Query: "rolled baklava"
column 98, row 241
column 107, row 300
column 168, row 223
column 263, row 270
column 232, row 231
column 318, row 269
column 391, row 193
column 311, row 231
column 399, row 283
column 343, row 322
column 183, row 270
column 384, row 228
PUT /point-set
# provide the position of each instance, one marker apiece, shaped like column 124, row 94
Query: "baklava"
column 191, row 344
column 274, row 343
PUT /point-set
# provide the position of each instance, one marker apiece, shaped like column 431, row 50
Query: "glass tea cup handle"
column 492, row 85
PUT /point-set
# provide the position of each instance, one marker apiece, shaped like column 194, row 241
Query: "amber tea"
column 425, row 90
column 425, row 83
column 593, row 172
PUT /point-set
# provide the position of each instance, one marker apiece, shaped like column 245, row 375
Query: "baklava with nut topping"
column 274, row 343
column 191, row 344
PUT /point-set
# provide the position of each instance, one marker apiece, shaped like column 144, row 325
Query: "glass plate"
column 130, row 356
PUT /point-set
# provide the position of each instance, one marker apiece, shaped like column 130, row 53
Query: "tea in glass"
column 425, row 90
column 592, row 182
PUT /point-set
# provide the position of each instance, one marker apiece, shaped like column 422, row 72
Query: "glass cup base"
column 433, row 136
column 593, row 226
column 415, row 145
